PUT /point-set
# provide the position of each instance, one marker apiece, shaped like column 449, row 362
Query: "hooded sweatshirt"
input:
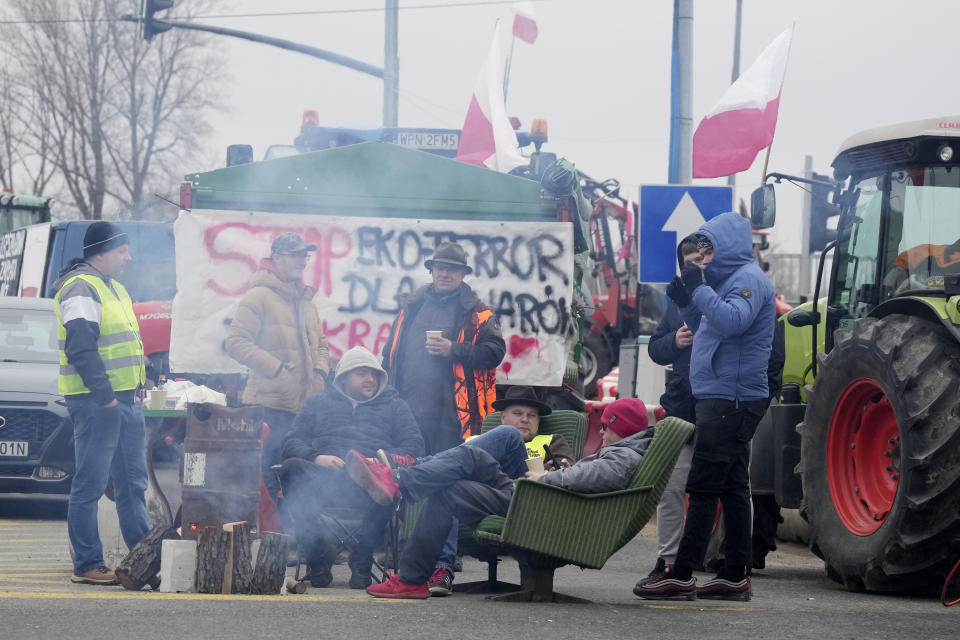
column 732, row 318
column 334, row 423
column 276, row 332
column 609, row 469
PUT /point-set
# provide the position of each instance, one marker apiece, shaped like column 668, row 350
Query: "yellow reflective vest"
column 535, row 447
column 119, row 344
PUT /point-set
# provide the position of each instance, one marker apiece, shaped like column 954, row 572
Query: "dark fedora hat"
column 449, row 253
column 523, row 396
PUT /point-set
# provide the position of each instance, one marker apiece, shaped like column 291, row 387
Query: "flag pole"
column 766, row 161
column 506, row 69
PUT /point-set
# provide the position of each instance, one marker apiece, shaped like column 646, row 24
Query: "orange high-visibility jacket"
column 474, row 387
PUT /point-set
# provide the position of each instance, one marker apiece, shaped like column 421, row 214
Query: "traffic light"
column 821, row 209
column 147, row 9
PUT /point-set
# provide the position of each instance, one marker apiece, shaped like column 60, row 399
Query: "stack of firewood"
column 225, row 563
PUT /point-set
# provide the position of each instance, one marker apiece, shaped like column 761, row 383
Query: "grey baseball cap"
column 290, row 242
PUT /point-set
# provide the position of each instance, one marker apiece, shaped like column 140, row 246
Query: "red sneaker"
column 397, row 588
column 374, row 477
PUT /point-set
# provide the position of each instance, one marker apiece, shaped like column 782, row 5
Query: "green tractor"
column 878, row 363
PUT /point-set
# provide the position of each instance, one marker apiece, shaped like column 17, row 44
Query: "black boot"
column 319, row 574
column 360, row 568
column 319, row 562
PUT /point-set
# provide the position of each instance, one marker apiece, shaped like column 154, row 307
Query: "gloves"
column 678, row 293
column 692, row 277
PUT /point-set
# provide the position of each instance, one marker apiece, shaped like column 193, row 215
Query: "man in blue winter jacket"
column 732, row 317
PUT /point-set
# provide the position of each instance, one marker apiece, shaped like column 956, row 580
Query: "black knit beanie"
column 102, row 237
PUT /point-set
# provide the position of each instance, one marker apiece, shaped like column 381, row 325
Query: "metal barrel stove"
column 220, row 470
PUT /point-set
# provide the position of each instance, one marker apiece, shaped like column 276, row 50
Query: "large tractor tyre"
column 880, row 455
column 595, row 362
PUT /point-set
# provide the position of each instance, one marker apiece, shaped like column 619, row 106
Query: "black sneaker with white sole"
column 441, row 582
column 666, row 588
column 721, row 589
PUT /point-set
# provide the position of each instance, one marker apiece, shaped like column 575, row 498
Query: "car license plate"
column 423, row 140
column 13, row 449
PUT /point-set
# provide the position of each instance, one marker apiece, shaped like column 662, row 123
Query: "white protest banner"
column 522, row 270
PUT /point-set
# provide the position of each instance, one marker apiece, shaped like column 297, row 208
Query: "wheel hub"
column 863, row 457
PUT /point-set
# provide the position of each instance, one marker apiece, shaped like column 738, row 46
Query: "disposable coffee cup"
column 535, row 464
column 158, row 399
column 434, row 334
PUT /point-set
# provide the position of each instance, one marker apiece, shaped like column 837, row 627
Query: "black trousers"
column 313, row 494
column 464, row 483
column 720, row 471
column 280, row 423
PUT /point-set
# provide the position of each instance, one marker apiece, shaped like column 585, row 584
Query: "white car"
column 36, row 434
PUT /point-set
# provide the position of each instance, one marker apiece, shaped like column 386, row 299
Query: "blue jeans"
column 506, row 446
column 464, row 483
column 108, row 444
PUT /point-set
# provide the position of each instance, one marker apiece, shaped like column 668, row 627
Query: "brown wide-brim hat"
column 449, row 253
column 523, row 396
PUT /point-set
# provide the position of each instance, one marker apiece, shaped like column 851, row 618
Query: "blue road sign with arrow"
column 668, row 214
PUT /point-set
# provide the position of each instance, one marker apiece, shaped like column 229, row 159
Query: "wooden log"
column 213, row 551
column 142, row 564
column 238, row 574
column 271, row 566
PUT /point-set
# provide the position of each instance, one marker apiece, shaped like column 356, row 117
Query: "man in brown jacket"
column 276, row 333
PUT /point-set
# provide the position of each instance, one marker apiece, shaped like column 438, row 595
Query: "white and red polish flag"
column 744, row 120
column 524, row 22
column 488, row 139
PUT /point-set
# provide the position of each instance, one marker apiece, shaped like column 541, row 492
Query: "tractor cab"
column 898, row 235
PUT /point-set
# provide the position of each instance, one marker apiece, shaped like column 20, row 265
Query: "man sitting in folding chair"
column 359, row 411
column 466, row 482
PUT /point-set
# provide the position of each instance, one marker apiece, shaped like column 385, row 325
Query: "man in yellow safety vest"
column 101, row 370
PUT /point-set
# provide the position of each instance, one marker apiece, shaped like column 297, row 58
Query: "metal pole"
column 314, row 52
column 391, row 64
column 506, row 69
column 681, row 91
column 732, row 178
column 806, row 267
column 685, row 73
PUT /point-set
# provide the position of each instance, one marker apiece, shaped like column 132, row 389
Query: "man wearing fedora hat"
column 276, row 333
column 443, row 352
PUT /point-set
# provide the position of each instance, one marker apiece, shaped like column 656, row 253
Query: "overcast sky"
column 600, row 74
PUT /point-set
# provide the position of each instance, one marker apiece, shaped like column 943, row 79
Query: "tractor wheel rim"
column 863, row 457
column 588, row 365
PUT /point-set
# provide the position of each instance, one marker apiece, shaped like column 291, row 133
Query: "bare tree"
column 24, row 149
column 122, row 112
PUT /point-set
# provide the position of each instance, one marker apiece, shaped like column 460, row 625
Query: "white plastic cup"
column 434, row 334
column 535, row 464
column 158, row 399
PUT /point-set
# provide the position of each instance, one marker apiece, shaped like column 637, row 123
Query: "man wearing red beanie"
column 467, row 483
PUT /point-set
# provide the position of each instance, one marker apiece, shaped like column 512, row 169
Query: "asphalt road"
column 792, row 599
